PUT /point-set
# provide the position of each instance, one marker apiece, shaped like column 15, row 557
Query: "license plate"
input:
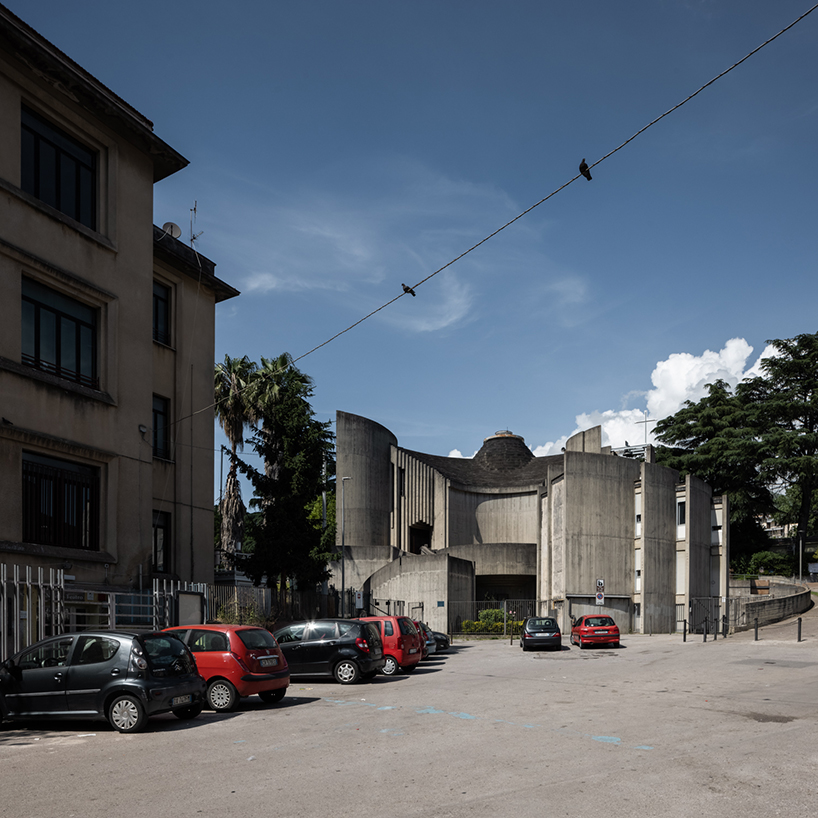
column 269, row 661
column 177, row 700
column 413, row 650
column 598, row 633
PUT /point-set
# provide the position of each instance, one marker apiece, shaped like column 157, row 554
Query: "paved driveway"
column 656, row 728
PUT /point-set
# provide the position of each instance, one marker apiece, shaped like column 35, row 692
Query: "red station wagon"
column 236, row 661
column 595, row 630
column 401, row 643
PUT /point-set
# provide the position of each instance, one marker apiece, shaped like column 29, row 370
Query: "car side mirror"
column 12, row 669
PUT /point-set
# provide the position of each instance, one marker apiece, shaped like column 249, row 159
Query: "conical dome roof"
column 503, row 451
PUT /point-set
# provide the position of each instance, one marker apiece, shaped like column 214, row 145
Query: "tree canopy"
column 752, row 442
column 296, row 452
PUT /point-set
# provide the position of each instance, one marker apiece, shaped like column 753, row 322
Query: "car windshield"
column 167, row 656
column 257, row 638
column 599, row 621
column 542, row 624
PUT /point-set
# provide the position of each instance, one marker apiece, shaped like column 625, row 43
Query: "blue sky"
column 339, row 149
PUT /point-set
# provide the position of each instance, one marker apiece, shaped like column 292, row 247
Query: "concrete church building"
column 507, row 525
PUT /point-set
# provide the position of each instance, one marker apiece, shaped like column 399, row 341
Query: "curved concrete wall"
column 363, row 454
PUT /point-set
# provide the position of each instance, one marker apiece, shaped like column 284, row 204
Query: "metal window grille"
column 60, row 505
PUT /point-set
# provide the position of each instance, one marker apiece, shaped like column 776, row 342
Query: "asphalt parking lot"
column 658, row 727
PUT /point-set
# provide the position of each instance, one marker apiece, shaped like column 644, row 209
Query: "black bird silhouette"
column 583, row 169
column 409, row 290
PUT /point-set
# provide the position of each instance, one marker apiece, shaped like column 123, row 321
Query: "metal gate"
column 484, row 617
column 705, row 613
column 31, row 606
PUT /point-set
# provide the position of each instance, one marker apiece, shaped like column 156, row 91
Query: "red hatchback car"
column 594, row 630
column 401, row 643
column 236, row 661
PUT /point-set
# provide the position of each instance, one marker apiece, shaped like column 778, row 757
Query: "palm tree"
column 268, row 380
column 234, row 413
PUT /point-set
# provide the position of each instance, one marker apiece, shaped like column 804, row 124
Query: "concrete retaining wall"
column 768, row 610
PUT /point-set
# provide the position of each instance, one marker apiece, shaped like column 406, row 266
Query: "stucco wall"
column 109, row 268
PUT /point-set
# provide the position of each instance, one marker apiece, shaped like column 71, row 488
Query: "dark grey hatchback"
column 540, row 632
column 347, row 649
column 121, row 677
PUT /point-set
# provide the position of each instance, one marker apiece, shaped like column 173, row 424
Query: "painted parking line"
column 434, row 711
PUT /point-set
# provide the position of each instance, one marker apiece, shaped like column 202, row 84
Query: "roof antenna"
column 193, row 236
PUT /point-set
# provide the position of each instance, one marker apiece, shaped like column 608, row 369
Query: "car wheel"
column 126, row 714
column 189, row 712
column 390, row 666
column 272, row 696
column 614, row 644
column 410, row 668
column 346, row 672
column 222, row 696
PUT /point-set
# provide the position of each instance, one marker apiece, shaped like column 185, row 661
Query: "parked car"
column 401, row 643
column 540, row 632
column 428, row 639
column 347, row 649
column 595, row 630
column 441, row 641
column 236, row 661
column 121, row 677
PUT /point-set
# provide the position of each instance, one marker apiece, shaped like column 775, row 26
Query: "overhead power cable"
column 525, row 212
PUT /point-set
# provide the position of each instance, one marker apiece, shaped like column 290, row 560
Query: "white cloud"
column 684, row 376
column 681, row 377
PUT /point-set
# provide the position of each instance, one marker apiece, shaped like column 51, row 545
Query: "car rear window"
column 372, row 634
column 257, row 638
column 406, row 627
column 542, row 624
column 599, row 621
column 167, row 656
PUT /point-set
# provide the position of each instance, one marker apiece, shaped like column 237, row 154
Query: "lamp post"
column 343, row 534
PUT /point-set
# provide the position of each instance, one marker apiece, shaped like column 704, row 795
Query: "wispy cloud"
column 400, row 222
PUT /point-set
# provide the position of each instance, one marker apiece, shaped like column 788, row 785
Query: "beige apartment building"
column 106, row 337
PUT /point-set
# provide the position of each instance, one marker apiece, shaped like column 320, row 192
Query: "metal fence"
column 36, row 603
column 483, row 617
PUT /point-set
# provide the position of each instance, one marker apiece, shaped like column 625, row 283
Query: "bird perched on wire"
column 583, row 169
column 408, row 290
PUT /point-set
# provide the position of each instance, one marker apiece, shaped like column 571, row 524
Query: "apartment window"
column 58, row 170
column 161, row 428
column 161, row 313
column 680, row 519
column 638, row 514
column 59, row 334
column 60, row 503
column 161, row 541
